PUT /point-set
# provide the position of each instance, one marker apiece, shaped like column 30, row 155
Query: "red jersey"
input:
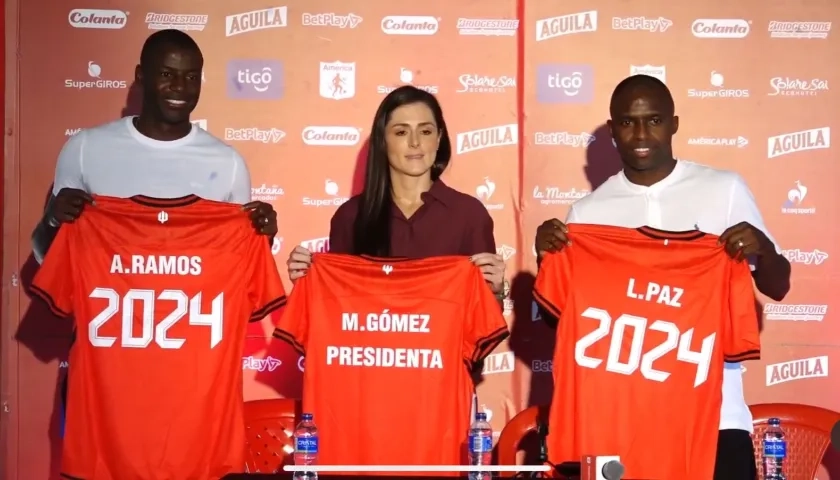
column 161, row 292
column 389, row 345
column 648, row 319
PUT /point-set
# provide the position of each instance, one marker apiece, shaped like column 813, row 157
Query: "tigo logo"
column 720, row 28
column 92, row 18
column 264, row 193
column 564, row 83
column 498, row 136
column 582, row 22
column 409, row 25
column 274, row 17
column 255, row 79
column 787, row 143
column 331, row 136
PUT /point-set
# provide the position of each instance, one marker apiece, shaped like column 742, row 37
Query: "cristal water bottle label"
column 775, row 448
column 481, row 444
column 306, row 445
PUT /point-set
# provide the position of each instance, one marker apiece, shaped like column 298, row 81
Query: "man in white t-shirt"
column 657, row 190
column 158, row 153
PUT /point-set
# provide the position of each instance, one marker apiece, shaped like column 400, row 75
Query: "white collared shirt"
column 692, row 197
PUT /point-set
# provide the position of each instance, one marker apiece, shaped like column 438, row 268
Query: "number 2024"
column 637, row 359
column 149, row 331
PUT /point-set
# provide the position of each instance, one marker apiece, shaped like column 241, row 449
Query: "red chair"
column 807, row 430
column 269, row 426
column 516, row 429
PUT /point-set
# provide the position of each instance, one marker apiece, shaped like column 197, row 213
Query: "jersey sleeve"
column 741, row 341
column 53, row 283
column 267, row 292
column 485, row 326
column 292, row 326
column 552, row 285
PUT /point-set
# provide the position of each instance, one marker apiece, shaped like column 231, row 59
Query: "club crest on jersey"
column 163, row 217
column 387, row 269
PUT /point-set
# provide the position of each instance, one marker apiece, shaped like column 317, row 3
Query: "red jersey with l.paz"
column 647, row 319
column 389, row 346
column 161, row 292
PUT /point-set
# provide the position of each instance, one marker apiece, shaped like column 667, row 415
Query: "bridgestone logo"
column 164, row 21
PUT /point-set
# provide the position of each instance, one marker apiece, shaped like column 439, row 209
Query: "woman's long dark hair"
column 372, row 228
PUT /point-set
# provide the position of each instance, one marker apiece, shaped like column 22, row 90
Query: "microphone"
column 595, row 467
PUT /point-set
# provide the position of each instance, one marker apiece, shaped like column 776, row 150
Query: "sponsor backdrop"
column 525, row 90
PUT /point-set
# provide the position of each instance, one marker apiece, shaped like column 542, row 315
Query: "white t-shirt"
column 115, row 159
column 692, row 197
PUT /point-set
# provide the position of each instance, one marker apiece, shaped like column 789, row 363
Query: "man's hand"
column 743, row 240
column 493, row 268
column 67, row 206
column 263, row 217
column 551, row 237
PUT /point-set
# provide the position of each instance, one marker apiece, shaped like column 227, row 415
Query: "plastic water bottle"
column 480, row 445
column 306, row 446
column 774, row 452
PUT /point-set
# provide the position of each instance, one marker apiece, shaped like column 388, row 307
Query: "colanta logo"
column 720, row 28
column 324, row 136
column 409, row 25
column 95, row 18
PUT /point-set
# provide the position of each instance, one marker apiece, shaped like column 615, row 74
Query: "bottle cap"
column 306, row 417
column 481, row 416
column 774, row 421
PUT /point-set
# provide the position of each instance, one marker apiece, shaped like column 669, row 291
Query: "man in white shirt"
column 657, row 190
column 158, row 153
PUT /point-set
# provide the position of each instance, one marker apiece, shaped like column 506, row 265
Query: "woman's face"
column 411, row 139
